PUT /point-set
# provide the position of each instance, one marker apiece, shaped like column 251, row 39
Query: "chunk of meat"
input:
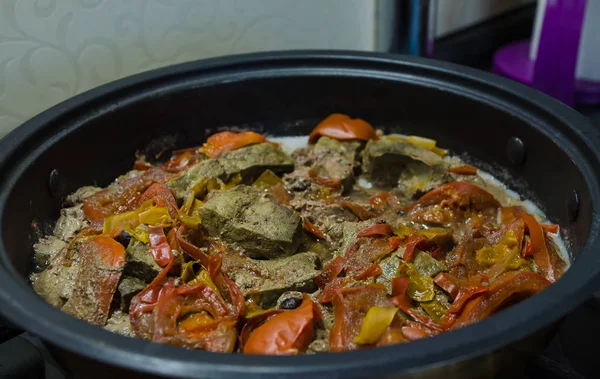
column 259, row 226
column 139, row 262
column 183, row 184
column 391, row 163
column 334, row 162
column 55, row 284
column 102, row 260
column 70, row 222
column 46, row 248
column 253, row 160
column 270, row 278
column 128, row 288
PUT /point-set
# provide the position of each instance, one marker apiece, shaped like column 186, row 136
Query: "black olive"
column 300, row 185
column 290, row 303
column 123, row 238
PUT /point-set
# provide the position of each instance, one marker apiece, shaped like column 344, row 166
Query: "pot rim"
column 23, row 307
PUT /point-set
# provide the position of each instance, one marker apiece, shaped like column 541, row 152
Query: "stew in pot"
column 345, row 239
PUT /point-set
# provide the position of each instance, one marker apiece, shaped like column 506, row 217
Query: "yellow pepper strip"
column 266, row 180
column 403, row 231
column 374, row 325
column 140, row 233
column 435, row 310
column 187, row 205
column 190, row 222
column 490, row 255
column 204, row 277
column 121, row 220
column 187, row 272
column 441, row 152
column 420, row 288
column 256, row 312
column 237, row 179
column 440, row 236
column 196, row 321
column 422, row 141
column 155, row 216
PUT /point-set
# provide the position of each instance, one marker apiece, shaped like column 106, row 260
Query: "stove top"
column 571, row 355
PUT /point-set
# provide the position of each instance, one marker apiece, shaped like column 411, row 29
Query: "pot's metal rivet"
column 515, row 149
column 55, row 184
column 573, row 205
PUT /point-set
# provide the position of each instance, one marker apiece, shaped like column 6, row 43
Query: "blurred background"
column 53, row 49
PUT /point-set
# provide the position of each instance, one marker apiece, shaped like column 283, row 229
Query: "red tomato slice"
column 227, row 141
column 287, row 333
column 341, row 127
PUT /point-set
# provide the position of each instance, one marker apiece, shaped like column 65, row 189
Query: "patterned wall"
column 53, row 49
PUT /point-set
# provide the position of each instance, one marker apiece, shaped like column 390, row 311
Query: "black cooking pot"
column 537, row 145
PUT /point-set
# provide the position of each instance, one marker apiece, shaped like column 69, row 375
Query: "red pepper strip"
column 331, row 271
column 160, row 194
column 541, row 256
column 465, row 294
column 181, row 160
column 413, row 333
column 508, row 214
column 309, row 227
column 376, row 230
column 192, row 250
column 237, row 299
column 214, row 265
column 550, row 228
column 331, row 289
column 457, row 194
column 379, row 201
column 527, row 250
column 159, row 247
column 464, row 170
column 399, row 286
column 141, row 165
column 437, row 252
column 287, row 333
column 371, row 271
column 394, row 242
column 172, row 239
column 411, row 245
column 448, row 283
column 145, row 300
column 357, row 209
column 333, row 183
column 510, row 285
column 536, row 233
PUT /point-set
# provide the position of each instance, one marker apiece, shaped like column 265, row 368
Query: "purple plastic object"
column 553, row 71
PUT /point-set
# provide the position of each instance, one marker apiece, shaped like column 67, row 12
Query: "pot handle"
column 19, row 358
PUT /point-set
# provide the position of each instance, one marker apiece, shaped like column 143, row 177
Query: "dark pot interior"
column 93, row 138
